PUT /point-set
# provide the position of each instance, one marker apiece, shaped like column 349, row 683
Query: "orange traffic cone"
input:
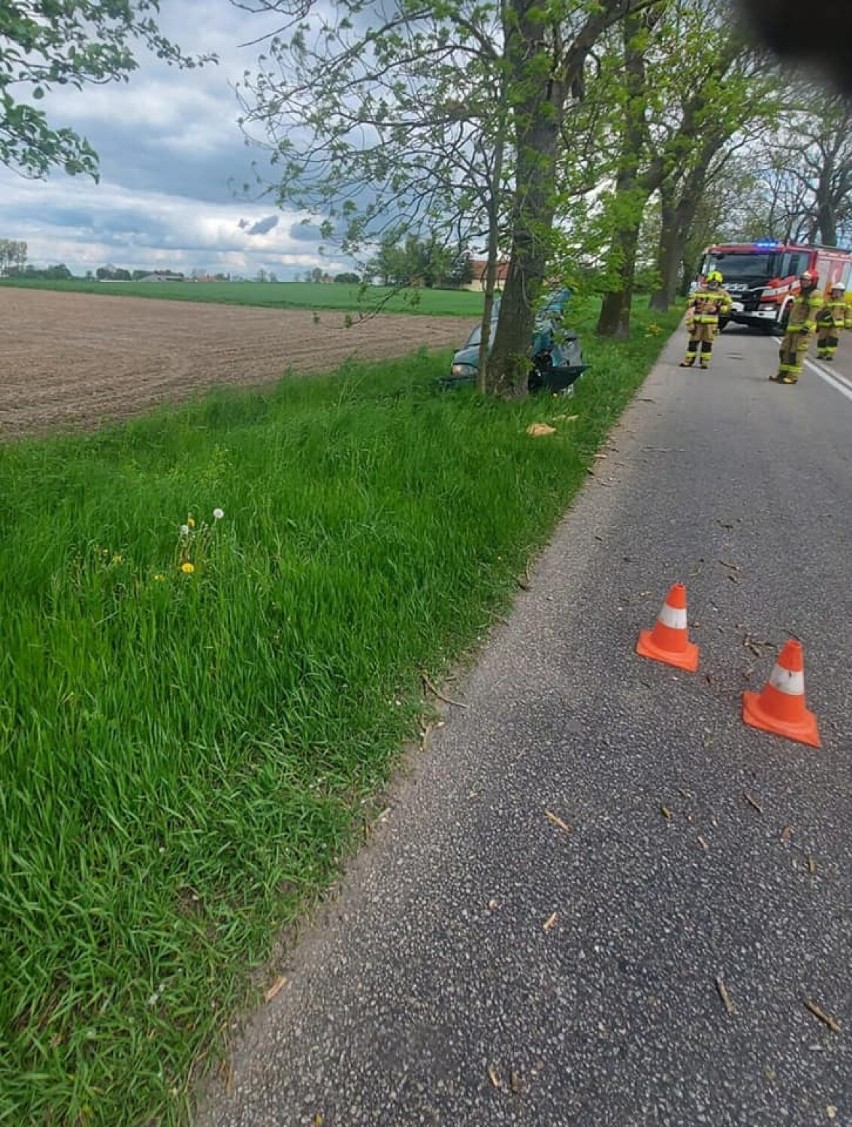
column 669, row 641
column 780, row 706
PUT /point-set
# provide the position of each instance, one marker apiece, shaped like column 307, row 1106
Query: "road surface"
column 597, row 898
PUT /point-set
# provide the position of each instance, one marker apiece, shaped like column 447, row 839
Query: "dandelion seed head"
column 184, row 530
column 218, row 514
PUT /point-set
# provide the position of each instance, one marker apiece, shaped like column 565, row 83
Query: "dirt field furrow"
column 72, row 361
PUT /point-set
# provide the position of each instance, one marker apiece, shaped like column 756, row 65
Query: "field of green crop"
column 280, row 295
column 215, row 621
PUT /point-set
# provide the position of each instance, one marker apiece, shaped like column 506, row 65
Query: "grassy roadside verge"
column 186, row 754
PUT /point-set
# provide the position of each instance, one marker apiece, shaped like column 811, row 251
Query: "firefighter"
column 800, row 327
column 702, row 319
column 834, row 316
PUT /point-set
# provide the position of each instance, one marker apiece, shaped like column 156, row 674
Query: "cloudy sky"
column 172, row 163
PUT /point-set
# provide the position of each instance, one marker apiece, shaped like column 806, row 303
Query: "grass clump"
column 215, row 620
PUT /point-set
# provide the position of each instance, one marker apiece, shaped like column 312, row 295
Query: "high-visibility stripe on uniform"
column 674, row 617
column 788, row 681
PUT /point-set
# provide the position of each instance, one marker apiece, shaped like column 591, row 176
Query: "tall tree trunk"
column 538, row 104
column 631, row 194
column 614, row 319
column 686, row 270
column 538, row 122
column 825, row 220
column 669, row 252
column 491, row 263
column 678, row 217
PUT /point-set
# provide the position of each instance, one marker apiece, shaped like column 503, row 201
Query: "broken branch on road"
column 557, row 821
column 439, row 695
column 832, row 1023
column 724, row 995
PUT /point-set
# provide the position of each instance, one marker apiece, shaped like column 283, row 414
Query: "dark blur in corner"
column 818, row 40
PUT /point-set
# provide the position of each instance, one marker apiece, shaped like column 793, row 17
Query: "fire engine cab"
column 763, row 277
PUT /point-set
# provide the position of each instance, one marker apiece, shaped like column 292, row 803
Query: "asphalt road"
column 485, row 965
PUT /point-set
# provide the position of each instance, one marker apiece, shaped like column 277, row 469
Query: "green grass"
column 186, row 757
column 278, row 295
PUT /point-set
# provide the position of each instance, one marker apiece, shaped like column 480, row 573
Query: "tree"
column 631, row 190
column 688, row 90
column 389, row 263
column 412, row 262
column 812, row 167
column 546, row 52
column 47, row 43
column 752, row 98
column 729, row 209
column 347, row 279
column 13, row 255
column 461, row 270
column 111, row 273
column 443, row 118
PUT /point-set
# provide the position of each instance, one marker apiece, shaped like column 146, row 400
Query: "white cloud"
column 173, row 162
column 87, row 225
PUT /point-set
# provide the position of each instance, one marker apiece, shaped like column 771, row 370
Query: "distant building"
column 478, row 267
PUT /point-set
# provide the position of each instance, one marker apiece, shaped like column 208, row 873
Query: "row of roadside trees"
column 616, row 133
column 550, row 134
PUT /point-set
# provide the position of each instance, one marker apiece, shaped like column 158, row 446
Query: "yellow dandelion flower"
column 117, row 558
column 187, row 568
column 191, row 522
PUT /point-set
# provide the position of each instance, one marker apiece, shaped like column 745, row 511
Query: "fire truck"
column 763, row 277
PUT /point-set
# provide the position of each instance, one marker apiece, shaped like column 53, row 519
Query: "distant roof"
column 479, row 266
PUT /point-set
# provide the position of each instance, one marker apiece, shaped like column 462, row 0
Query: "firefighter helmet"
column 837, row 286
column 809, row 277
column 714, row 276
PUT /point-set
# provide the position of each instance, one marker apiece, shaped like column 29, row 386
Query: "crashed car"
column 556, row 358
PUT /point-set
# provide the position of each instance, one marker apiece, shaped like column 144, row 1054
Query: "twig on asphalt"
column 832, row 1023
column 724, row 995
column 440, row 696
column 753, row 802
column 275, row 988
column 557, row 821
column 549, row 922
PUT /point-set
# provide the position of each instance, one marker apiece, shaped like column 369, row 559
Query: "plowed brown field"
column 71, row 361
